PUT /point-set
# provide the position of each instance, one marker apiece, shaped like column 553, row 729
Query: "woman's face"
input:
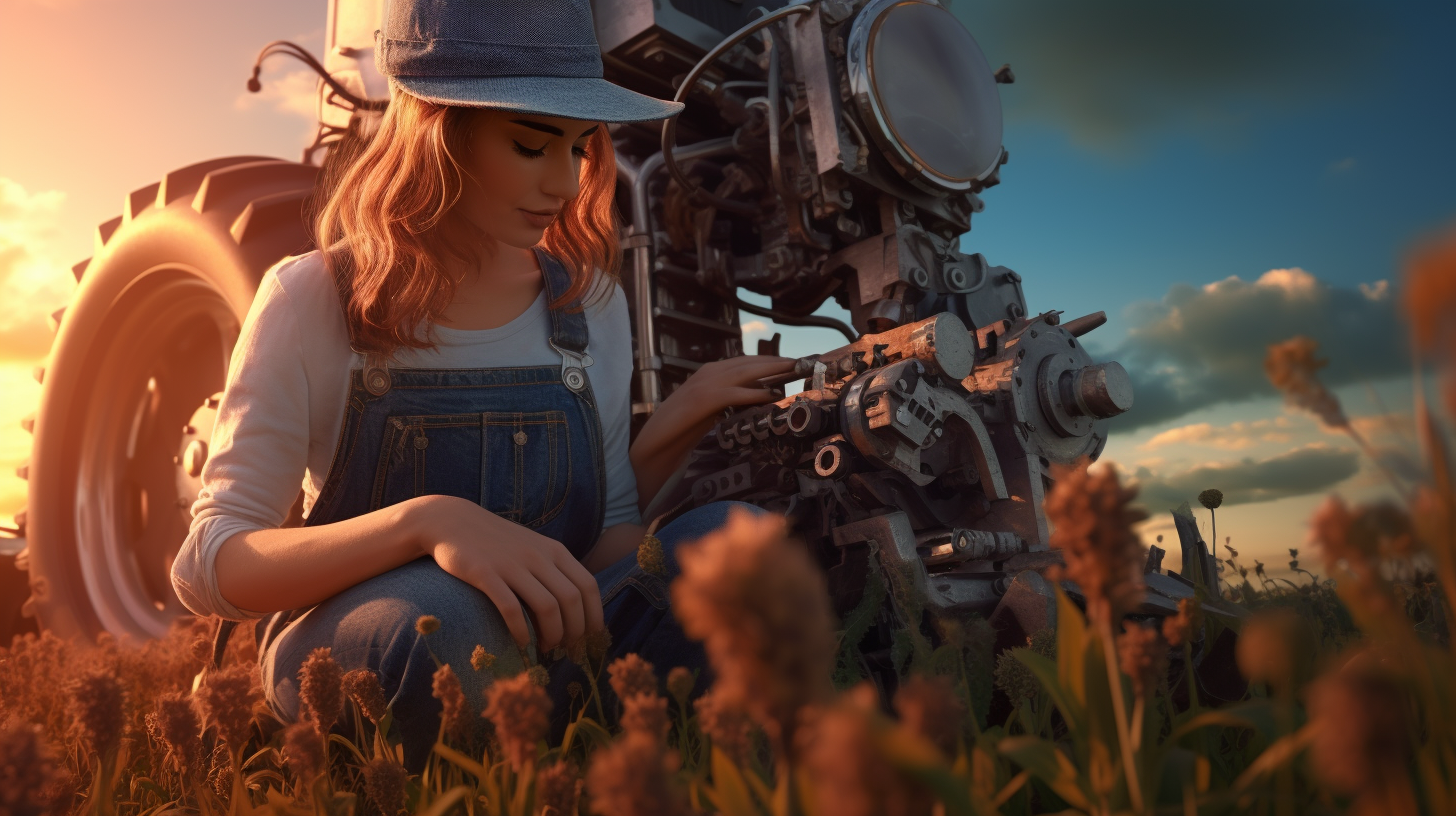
column 520, row 170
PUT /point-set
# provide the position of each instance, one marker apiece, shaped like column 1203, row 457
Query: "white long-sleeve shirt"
column 283, row 408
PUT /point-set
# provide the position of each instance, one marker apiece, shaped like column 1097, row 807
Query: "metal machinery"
column 834, row 149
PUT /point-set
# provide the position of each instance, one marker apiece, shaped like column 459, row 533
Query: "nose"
column 563, row 176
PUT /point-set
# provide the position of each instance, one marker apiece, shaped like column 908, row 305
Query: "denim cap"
column 528, row 56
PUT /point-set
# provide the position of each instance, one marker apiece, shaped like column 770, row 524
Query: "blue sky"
column 1157, row 149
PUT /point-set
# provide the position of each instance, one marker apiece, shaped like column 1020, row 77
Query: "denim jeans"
column 372, row 625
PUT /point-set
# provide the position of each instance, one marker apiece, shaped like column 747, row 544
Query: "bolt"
column 956, row 277
column 188, row 430
column 1033, row 332
column 907, row 210
column 901, row 384
column 919, row 277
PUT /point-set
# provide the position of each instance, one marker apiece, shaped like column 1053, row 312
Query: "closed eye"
column 536, row 153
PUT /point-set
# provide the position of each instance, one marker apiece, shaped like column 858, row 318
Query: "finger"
column 568, row 600
column 739, row 395
column 509, row 607
column 542, row 607
column 586, row 584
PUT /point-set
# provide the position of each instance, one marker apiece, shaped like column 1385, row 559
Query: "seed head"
column 225, row 701
column 521, row 713
column 591, row 649
column 1181, row 628
column 650, row 557
column 1430, row 300
column 1093, row 516
column 557, row 790
column 680, row 683
column 220, row 770
column 646, row 713
column 1276, row 647
column 539, row 675
column 480, row 659
column 929, row 707
column 320, row 682
column 1211, row 498
column 1363, row 725
column 1143, row 657
column 303, row 750
column 634, row 776
column 30, row 777
column 1013, row 676
column 178, row 728
column 384, row 784
column 363, row 687
column 848, row 776
column 97, row 702
column 455, row 712
column 761, row 607
column 427, row 624
column 631, row 675
column 1292, row 367
column 725, row 723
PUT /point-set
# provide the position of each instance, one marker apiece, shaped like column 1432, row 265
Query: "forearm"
column 616, row 542
column 657, row 453
column 294, row 567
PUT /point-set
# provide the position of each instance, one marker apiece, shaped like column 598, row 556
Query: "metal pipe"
column 648, row 364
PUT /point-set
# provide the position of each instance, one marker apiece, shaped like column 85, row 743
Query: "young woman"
column 448, row 375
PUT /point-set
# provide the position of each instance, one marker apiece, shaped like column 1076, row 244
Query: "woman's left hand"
column 682, row 419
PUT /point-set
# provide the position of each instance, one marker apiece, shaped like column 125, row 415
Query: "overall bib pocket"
column 515, row 464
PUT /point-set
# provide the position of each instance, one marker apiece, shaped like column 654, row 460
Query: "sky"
column 1214, row 176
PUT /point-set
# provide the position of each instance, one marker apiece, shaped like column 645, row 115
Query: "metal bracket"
column 573, row 366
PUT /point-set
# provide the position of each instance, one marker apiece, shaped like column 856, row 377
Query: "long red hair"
column 390, row 222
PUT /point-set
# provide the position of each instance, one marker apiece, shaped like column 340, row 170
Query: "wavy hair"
column 390, row 223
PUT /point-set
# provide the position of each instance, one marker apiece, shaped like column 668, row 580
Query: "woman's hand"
column 682, row 419
column 517, row 568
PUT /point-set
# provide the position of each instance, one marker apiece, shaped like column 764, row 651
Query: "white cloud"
column 1234, row 436
column 1379, row 290
column 295, row 93
column 31, row 281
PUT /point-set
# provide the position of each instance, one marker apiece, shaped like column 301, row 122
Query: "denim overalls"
column 526, row 444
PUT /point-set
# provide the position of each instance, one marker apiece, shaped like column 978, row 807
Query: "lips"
column 539, row 220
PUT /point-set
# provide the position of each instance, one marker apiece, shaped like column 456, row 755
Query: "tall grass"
column 1349, row 708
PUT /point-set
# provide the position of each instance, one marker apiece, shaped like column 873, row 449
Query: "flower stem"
column 1119, row 710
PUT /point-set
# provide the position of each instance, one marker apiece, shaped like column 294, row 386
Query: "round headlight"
column 926, row 91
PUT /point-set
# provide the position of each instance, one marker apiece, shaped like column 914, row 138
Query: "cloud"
column 1234, row 436
column 295, row 93
column 1203, row 346
column 30, row 281
column 1112, row 73
column 1310, row 469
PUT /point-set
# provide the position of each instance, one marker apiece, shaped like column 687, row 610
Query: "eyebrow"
column 554, row 131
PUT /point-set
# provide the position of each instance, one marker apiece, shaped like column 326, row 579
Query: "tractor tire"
column 126, row 391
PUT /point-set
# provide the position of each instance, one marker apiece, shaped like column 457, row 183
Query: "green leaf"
column 460, row 760
column 1046, row 762
column 729, row 792
column 440, row 806
column 1071, row 647
column 1256, row 715
column 913, row 754
column 1050, row 676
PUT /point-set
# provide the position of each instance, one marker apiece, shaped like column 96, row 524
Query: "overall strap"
column 568, row 329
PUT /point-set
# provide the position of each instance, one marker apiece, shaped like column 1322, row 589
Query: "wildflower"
column 1292, row 368
column 220, row 771
column 384, row 784
column 1181, row 628
column 1093, row 518
column 761, row 607
column 178, row 728
column 30, row 777
column 650, row 556
column 646, row 713
column 427, row 625
column 96, row 707
column 1233, row 553
column 574, row 689
column 1211, row 498
column 680, row 685
column 521, row 712
column 1143, row 657
column 631, row 675
column 557, row 790
column 539, row 675
column 1259, row 568
column 929, row 707
column 634, row 776
column 455, row 712
column 225, row 700
column 725, row 723
column 201, row 649
column 1363, row 729
column 847, row 775
column 591, row 649
column 320, row 688
column 480, row 659
column 303, row 750
column 1430, row 296
column 363, row 687
column 1275, row 647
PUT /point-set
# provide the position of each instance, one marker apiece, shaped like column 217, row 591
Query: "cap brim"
column 588, row 98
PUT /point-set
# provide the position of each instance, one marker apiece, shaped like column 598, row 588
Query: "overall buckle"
column 573, row 366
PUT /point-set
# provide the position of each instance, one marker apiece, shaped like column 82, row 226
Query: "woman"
column 449, row 377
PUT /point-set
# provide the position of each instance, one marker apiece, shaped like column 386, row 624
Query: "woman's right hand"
column 516, row 567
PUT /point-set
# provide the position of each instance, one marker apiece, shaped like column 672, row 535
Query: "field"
column 1347, row 710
